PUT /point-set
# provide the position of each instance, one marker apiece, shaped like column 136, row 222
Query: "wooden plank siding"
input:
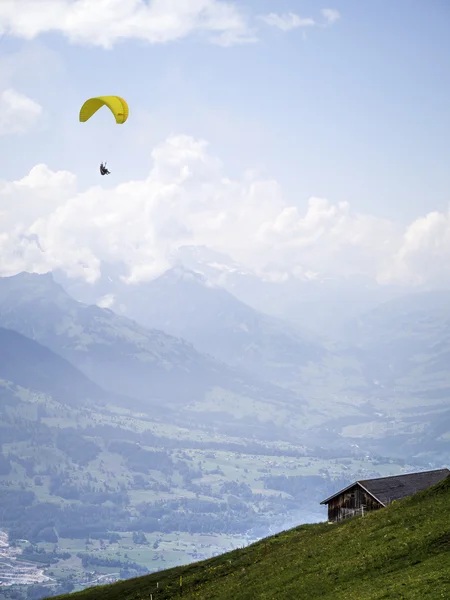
column 351, row 503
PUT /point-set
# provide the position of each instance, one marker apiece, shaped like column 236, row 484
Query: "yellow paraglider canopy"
column 116, row 105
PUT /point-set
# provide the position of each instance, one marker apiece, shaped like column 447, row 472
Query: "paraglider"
column 104, row 170
column 116, row 105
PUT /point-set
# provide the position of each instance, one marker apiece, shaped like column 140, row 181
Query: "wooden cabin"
column 372, row 494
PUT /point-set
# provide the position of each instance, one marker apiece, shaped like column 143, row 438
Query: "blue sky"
column 355, row 111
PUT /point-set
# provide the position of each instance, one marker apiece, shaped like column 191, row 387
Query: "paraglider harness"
column 103, row 169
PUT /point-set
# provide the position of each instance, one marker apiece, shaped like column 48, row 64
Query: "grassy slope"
column 402, row 551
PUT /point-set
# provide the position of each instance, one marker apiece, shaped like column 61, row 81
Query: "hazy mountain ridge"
column 315, row 304
column 158, row 369
column 30, row 365
column 185, row 304
column 405, row 340
column 347, row 399
column 403, row 347
column 312, row 301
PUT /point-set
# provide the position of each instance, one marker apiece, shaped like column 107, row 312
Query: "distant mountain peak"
column 182, row 274
column 27, row 276
column 36, row 282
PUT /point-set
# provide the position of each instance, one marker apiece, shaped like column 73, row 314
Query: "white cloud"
column 330, row 14
column 286, row 21
column 106, row 301
column 18, row 113
column 423, row 255
column 45, row 222
column 290, row 20
column 106, row 22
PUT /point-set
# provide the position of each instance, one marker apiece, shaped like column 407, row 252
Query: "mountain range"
column 405, row 338
column 194, row 351
column 403, row 346
column 185, row 304
column 320, row 305
column 164, row 373
column 25, row 363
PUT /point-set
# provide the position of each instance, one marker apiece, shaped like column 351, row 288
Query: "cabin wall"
column 350, row 503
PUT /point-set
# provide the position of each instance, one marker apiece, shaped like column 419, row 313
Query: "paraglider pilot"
column 104, row 170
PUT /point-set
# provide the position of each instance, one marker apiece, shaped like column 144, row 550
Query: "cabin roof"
column 387, row 489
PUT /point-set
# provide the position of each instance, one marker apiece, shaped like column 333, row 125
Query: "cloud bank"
column 105, row 23
column 46, row 223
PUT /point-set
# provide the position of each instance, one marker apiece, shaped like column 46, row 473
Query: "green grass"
column 402, row 551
